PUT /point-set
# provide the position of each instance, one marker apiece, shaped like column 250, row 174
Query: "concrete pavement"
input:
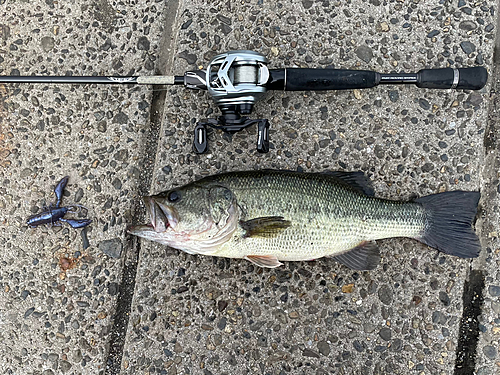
column 118, row 305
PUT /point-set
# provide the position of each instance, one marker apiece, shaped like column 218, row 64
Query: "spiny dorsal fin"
column 268, row 261
column 357, row 180
column 363, row 257
column 268, row 226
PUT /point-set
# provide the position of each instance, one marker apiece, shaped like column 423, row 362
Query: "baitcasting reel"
column 237, row 79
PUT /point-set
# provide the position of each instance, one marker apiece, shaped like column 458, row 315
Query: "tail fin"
column 449, row 223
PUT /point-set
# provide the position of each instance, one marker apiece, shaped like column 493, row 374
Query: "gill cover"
column 220, row 200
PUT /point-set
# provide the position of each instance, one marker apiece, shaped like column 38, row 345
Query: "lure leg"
column 59, row 190
column 77, row 223
column 76, row 208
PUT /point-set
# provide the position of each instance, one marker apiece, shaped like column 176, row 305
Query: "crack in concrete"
column 468, row 336
column 127, row 286
column 122, row 313
column 474, row 288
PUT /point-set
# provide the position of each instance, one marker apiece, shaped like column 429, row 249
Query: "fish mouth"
column 162, row 217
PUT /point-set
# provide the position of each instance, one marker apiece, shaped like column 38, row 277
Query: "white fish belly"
column 315, row 239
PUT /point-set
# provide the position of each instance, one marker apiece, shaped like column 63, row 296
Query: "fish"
column 271, row 216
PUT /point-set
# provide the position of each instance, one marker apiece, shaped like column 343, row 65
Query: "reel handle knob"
column 200, row 144
column 263, row 136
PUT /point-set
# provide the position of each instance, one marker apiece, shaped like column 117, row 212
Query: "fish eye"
column 174, row 196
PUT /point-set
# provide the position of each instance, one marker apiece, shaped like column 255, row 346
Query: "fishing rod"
column 236, row 80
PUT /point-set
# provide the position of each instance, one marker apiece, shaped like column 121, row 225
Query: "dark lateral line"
column 127, row 285
column 468, row 333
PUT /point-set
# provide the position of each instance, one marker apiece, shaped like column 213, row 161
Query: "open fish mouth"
column 162, row 217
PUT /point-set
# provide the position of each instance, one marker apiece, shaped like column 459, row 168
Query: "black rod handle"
column 300, row 79
column 474, row 78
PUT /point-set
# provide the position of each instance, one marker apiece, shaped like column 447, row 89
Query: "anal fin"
column 268, row 261
column 364, row 257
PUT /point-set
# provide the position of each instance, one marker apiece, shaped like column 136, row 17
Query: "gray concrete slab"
column 58, row 294
column 195, row 314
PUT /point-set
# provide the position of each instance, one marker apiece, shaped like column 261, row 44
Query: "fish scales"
column 328, row 217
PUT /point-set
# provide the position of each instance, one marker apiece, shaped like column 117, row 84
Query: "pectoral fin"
column 268, row 226
column 363, row 257
column 268, row 261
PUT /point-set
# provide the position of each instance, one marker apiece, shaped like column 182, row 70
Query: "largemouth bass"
column 272, row 216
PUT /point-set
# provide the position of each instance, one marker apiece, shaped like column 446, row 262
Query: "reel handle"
column 231, row 125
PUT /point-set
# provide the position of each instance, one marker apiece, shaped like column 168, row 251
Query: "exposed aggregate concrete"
column 199, row 315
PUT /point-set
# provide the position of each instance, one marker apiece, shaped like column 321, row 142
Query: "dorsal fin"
column 357, row 180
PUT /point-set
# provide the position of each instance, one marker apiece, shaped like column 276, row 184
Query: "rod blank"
column 68, row 79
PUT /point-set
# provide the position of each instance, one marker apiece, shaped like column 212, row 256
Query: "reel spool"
column 237, row 78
